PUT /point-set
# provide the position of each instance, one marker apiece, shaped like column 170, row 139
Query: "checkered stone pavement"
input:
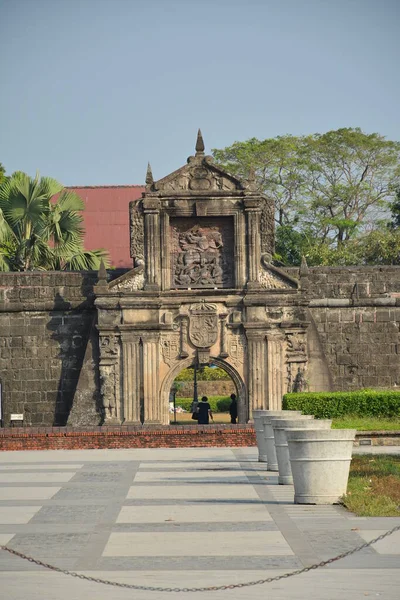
column 171, row 517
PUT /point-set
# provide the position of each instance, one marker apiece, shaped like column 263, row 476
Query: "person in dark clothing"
column 204, row 411
column 233, row 409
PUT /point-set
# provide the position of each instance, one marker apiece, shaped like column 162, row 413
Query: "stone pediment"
column 129, row 282
column 273, row 278
column 199, row 176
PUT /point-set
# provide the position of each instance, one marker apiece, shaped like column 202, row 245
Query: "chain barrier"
column 213, row 588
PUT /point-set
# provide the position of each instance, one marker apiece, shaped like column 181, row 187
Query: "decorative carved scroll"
column 203, row 325
column 131, row 282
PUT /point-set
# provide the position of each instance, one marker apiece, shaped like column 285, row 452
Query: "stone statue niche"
column 202, row 253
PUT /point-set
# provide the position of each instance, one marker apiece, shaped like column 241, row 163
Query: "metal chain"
column 212, row 588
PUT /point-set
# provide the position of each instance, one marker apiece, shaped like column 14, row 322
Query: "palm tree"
column 36, row 233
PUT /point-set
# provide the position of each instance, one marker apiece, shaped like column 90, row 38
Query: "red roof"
column 106, row 219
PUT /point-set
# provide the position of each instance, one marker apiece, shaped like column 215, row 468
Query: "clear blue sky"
column 93, row 89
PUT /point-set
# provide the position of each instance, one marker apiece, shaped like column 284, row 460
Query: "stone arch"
column 241, row 390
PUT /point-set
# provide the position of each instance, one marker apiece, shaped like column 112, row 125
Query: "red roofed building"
column 106, row 219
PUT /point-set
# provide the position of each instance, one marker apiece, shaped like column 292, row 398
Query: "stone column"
column 256, row 370
column 151, row 384
column 253, row 213
column 152, row 243
column 132, row 373
column 223, row 353
column 276, row 372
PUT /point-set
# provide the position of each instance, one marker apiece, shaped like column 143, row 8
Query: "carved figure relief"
column 107, row 388
column 198, row 257
column 203, row 325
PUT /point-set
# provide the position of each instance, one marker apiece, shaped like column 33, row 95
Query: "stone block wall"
column 356, row 312
column 45, row 324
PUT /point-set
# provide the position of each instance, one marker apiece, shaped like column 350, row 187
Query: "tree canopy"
column 329, row 190
column 37, row 232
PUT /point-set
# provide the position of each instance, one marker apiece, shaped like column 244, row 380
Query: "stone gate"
column 202, row 290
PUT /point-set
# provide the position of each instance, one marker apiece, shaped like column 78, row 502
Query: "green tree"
column 38, row 233
column 2, row 173
column 329, row 188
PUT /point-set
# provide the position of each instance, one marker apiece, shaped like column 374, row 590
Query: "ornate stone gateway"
column 202, row 289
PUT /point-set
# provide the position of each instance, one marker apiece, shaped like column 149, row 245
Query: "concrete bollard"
column 279, row 427
column 272, row 464
column 320, row 462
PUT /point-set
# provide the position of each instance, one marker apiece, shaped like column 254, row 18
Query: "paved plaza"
column 179, row 517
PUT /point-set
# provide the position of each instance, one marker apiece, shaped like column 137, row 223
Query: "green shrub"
column 217, row 403
column 204, row 374
column 328, row 405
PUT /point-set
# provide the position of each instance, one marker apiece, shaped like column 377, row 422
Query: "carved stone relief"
column 169, row 348
column 267, row 224
column 237, row 349
column 109, row 347
column 137, row 234
column 203, row 325
column 197, row 177
column 108, row 389
column 200, row 254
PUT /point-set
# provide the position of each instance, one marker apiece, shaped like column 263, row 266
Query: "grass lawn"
column 366, row 423
column 374, row 486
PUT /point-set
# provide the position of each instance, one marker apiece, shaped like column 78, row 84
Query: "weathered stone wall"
column 45, row 325
column 49, row 347
column 356, row 312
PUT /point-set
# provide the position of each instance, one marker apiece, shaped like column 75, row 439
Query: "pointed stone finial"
column 252, row 174
column 102, row 274
column 149, row 175
column 303, row 267
column 251, row 183
column 199, row 143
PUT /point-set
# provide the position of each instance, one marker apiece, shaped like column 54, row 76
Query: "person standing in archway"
column 204, row 411
column 233, row 409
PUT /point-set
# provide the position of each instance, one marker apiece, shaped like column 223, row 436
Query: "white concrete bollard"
column 259, row 429
column 279, row 427
column 320, row 461
column 272, row 464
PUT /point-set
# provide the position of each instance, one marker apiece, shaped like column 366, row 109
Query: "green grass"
column 366, row 423
column 374, row 486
